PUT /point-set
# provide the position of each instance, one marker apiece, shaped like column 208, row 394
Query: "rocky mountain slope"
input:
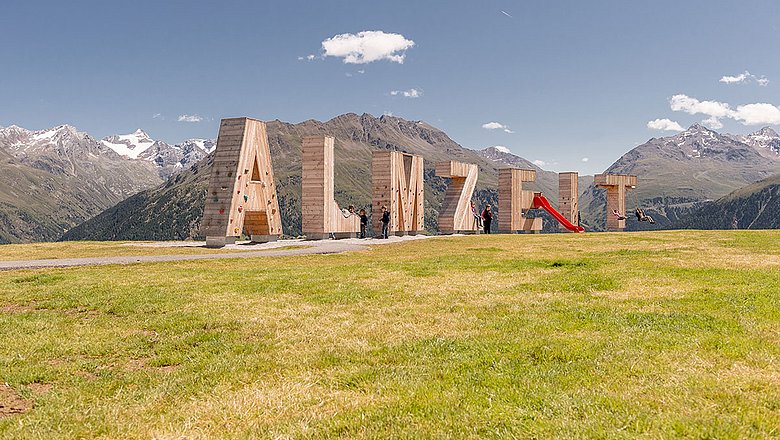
column 52, row 180
column 679, row 173
column 356, row 137
column 755, row 206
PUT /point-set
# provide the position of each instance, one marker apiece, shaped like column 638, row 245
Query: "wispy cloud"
column 664, row 125
column 411, row 93
column 507, row 14
column 309, row 57
column 158, row 116
column 585, row 159
column 189, row 118
column 367, row 46
column 496, row 126
column 744, row 78
column 749, row 114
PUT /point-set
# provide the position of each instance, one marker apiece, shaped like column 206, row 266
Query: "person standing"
column 487, row 218
column 363, row 223
column 385, row 222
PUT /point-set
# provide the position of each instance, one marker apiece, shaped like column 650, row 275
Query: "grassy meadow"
column 658, row 335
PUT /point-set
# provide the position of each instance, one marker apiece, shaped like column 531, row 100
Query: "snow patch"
column 502, row 149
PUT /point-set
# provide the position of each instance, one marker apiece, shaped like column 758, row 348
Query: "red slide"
column 541, row 201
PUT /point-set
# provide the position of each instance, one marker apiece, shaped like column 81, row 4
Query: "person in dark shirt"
column 385, row 222
column 363, row 223
column 487, row 218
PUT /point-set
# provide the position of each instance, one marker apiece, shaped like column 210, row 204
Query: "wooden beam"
column 568, row 197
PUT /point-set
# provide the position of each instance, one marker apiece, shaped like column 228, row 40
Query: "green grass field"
column 665, row 334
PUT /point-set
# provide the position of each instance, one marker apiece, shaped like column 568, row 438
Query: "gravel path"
column 262, row 250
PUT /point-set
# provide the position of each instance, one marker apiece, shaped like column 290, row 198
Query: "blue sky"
column 569, row 79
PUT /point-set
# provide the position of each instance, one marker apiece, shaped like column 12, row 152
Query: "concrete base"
column 218, row 242
column 521, row 232
column 338, row 235
column 263, row 238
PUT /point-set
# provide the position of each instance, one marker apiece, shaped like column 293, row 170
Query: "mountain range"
column 676, row 174
column 55, row 179
column 141, row 188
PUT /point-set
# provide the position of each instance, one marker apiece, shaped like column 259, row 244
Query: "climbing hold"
column 246, row 198
column 235, row 230
column 240, row 209
column 221, row 210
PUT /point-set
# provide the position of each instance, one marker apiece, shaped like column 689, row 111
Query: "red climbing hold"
column 240, row 208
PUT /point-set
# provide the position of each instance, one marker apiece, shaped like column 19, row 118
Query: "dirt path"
column 262, row 250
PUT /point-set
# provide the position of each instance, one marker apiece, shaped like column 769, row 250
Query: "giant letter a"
column 242, row 191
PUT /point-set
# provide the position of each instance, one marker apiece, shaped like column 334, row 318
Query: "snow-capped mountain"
column 677, row 172
column 129, row 145
column 169, row 159
column 766, row 141
column 53, row 179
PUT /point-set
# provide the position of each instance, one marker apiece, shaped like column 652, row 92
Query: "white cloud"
column 758, row 114
column 157, row 116
column 539, row 163
column 713, row 123
column 361, row 71
column 189, row 118
column 585, row 159
column 664, row 124
column 496, row 126
column 411, row 93
column 507, row 14
column 743, row 78
column 309, row 57
column 367, row 46
column 748, row 114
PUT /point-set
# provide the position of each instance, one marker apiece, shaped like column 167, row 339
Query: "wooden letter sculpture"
column 568, row 198
column 321, row 214
column 455, row 215
column 242, row 191
column 397, row 181
column 514, row 202
column 616, row 185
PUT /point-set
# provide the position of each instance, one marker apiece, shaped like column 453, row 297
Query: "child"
column 617, row 214
column 477, row 218
column 363, row 223
column 385, row 222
